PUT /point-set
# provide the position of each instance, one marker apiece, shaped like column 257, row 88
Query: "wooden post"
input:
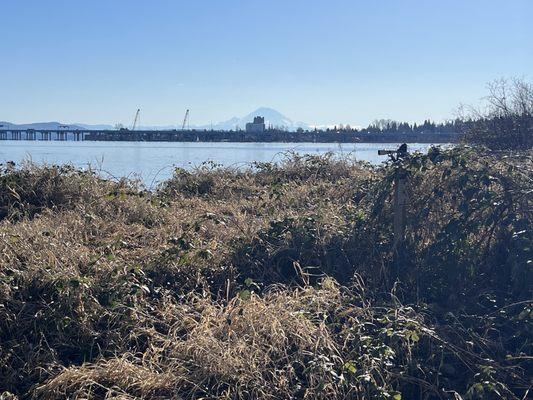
column 400, row 198
column 400, row 201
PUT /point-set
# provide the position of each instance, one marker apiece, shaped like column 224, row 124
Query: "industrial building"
column 257, row 126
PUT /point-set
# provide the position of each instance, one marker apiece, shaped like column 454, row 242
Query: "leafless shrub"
column 506, row 121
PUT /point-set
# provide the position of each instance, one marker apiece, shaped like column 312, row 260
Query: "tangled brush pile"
column 275, row 282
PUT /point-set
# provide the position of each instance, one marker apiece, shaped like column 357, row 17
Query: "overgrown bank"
column 271, row 283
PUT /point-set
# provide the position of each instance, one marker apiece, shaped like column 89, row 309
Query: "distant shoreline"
column 230, row 136
column 271, row 136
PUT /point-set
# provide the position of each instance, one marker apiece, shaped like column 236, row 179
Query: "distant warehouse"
column 257, row 126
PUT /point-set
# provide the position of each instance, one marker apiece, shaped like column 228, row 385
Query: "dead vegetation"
column 276, row 282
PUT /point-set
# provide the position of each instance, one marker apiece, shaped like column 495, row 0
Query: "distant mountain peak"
column 268, row 111
column 273, row 118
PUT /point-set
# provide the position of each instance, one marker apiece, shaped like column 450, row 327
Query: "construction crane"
column 185, row 121
column 136, row 119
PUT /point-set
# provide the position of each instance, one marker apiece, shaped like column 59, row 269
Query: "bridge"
column 42, row 134
column 193, row 135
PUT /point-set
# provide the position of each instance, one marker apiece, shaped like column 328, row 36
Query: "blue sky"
column 318, row 61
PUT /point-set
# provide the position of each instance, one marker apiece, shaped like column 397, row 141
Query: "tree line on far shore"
column 504, row 120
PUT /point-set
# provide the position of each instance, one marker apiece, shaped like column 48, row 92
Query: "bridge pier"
column 61, row 135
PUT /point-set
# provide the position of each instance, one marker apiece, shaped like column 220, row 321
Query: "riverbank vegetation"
column 505, row 121
column 502, row 121
column 275, row 282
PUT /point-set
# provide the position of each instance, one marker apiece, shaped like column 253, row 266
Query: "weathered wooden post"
column 400, row 198
column 400, row 201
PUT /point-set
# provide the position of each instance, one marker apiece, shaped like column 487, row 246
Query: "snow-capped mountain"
column 272, row 117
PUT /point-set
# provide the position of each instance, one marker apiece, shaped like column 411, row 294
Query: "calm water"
column 154, row 161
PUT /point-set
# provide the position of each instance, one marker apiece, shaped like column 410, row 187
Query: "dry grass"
column 247, row 348
column 278, row 282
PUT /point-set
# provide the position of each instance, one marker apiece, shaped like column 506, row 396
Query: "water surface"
column 155, row 161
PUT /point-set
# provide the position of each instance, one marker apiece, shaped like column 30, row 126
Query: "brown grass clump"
column 274, row 282
column 259, row 348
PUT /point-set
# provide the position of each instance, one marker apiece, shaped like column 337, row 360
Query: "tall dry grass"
column 275, row 282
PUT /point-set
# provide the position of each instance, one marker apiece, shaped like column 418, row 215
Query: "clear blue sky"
column 318, row 61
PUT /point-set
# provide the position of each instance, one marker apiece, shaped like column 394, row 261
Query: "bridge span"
column 41, row 134
column 317, row 136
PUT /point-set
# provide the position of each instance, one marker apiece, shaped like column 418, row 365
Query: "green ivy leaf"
column 350, row 367
column 245, row 294
column 248, row 282
column 413, row 336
